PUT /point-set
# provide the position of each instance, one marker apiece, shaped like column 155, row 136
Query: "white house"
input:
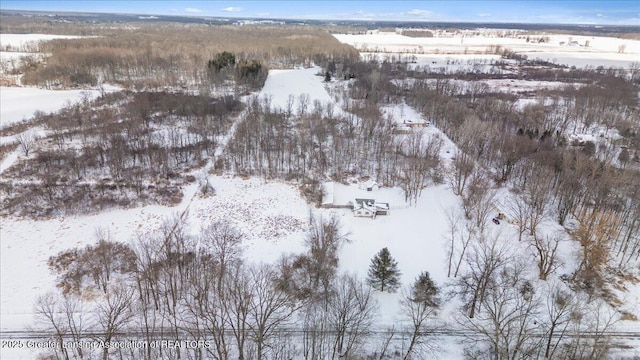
column 369, row 208
column 418, row 123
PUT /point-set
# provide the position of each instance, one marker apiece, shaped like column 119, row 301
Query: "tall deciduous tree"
column 419, row 305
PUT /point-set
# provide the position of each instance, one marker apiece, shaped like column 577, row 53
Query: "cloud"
column 484, row 15
column 363, row 15
column 232, row 9
column 600, row 15
column 420, row 13
column 193, row 10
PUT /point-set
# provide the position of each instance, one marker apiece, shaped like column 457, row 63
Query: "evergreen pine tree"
column 383, row 272
column 425, row 291
column 327, row 76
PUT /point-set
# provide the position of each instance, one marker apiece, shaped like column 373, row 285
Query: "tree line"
column 590, row 187
column 199, row 288
column 125, row 148
column 174, row 54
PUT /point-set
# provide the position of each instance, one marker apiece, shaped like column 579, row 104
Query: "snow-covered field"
column 449, row 63
column 14, row 47
column 10, row 61
column 564, row 49
column 28, row 42
column 413, row 234
column 248, row 204
column 286, row 86
column 22, row 103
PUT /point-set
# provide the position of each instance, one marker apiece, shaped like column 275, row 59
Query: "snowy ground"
column 27, row 42
column 21, row 103
column 12, row 60
column 247, row 204
column 413, row 234
column 581, row 60
column 570, row 49
column 444, row 63
column 284, row 86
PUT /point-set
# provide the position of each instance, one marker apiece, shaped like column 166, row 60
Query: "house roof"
column 370, row 204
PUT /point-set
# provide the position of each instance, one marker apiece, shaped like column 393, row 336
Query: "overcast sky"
column 567, row 12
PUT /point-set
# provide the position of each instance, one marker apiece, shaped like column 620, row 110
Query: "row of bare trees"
column 314, row 139
column 175, row 54
column 121, row 149
column 509, row 315
column 199, row 289
column 528, row 150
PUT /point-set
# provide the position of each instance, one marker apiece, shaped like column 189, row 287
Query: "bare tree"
column 536, row 196
column 26, row 140
column 546, row 254
column 303, row 104
column 223, row 242
column 204, row 314
column 517, row 212
column 460, row 172
column 236, row 301
column 453, row 229
column 458, row 241
column 595, row 233
column 420, row 160
column 385, row 343
column 114, row 313
column 323, row 242
column 317, row 343
column 65, row 317
column 101, row 263
column 560, row 309
column 506, row 328
column 269, row 308
column 634, row 71
column 486, row 258
column 352, row 309
column 419, row 305
column 590, row 327
column 477, row 201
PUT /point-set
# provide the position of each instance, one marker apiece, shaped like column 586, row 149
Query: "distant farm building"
column 408, row 125
column 415, row 123
column 370, row 185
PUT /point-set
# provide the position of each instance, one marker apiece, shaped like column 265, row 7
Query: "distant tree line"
column 179, row 56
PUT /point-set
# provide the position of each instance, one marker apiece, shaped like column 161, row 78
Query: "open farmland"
column 570, row 50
